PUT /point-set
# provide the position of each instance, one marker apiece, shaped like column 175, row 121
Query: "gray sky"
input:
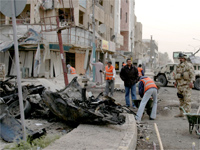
column 173, row 23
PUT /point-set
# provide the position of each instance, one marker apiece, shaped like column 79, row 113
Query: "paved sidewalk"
column 96, row 137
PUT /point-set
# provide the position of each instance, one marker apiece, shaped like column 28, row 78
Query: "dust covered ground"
column 174, row 132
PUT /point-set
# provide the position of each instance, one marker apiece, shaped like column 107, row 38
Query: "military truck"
column 165, row 74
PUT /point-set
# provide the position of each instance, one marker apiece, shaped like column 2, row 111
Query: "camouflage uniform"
column 184, row 76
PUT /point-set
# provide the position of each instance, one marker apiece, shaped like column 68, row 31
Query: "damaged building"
column 38, row 41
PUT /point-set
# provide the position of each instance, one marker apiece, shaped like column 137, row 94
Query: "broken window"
column 195, row 68
column 81, row 16
column 171, row 68
column 24, row 17
column 111, row 33
column 121, row 14
column 111, row 9
column 101, row 2
column 66, row 15
column 70, row 59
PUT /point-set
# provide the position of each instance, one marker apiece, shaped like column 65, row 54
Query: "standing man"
column 110, row 78
column 71, row 70
column 129, row 74
column 147, row 88
column 123, row 64
column 98, row 75
column 184, row 76
column 140, row 71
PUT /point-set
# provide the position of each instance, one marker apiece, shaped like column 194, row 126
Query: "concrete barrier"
column 100, row 137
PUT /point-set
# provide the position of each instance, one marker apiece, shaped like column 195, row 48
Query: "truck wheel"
column 14, row 109
column 197, row 84
column 162, row 80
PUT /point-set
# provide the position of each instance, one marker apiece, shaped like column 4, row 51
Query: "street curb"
column 129, row 141
column 110, row 137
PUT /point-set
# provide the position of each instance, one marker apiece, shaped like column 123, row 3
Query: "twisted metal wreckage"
column 69, row 104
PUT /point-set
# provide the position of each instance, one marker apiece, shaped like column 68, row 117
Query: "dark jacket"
column 129, row 75
column 141, row 87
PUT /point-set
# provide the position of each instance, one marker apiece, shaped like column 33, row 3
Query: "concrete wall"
column 124, row 9
column 131, row 24
column 125, row 47
column 138, row 50
column 117, row 22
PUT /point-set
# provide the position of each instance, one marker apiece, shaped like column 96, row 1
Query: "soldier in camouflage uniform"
column 184, row 76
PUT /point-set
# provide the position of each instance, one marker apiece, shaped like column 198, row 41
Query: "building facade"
column 127, row 12
column 138, row 51
column 75, row 20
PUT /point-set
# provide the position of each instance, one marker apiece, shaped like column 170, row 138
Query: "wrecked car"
column 71, row 104
column 9, row 95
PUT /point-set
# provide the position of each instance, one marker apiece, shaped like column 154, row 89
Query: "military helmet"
column 181, row 55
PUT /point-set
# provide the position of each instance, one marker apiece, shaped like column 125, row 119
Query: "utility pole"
column 93, row 39
column 62, row 52
column 18, row 69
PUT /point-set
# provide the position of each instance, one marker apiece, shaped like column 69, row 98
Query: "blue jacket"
column 142, row 73
column 141, row 87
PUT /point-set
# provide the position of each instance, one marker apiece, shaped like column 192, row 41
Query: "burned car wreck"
column 10, row 127
column 70, row 104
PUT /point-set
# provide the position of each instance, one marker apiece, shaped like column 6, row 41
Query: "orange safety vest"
column 109, row 73
column 148, row 83
column 139, row 71
column 72, row 70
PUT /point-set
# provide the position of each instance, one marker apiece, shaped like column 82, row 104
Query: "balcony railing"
column 18, row 21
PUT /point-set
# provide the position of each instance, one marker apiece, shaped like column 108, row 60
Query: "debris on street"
column 9, row 95
column 70, row 104
column 11, row 130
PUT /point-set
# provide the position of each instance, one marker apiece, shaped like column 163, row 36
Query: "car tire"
column 162, row 80
column 197, row 84
column 14, row 109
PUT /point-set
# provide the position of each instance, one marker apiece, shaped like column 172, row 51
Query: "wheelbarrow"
column 194, row 121
column 148, row 106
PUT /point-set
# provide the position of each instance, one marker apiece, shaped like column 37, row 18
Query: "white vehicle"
column 165, row 74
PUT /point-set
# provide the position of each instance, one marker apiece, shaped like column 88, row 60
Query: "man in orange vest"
column 140, row 71
column 71, row 70
column 147, row 88
column 123, row 64
column 110, row 78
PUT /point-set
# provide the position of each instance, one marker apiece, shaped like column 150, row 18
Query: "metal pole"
column 18, row 70
column 93, row 39
column 62, row 57
column 62, row 53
